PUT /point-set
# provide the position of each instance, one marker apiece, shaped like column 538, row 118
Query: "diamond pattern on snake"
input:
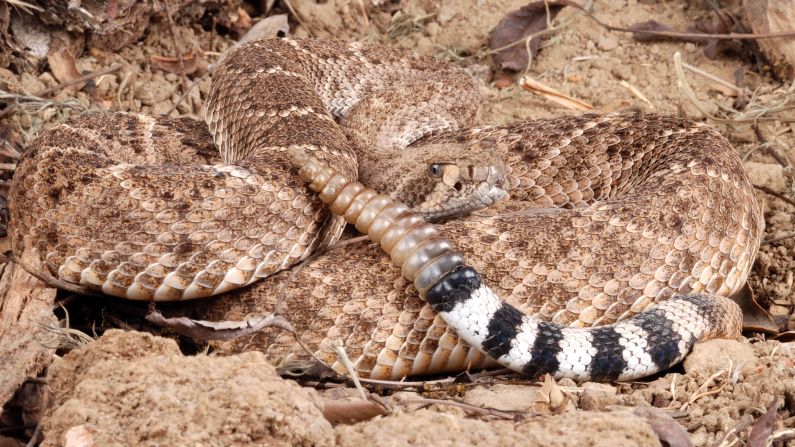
column 595, row 247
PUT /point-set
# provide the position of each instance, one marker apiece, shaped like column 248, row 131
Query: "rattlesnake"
column 608, row 215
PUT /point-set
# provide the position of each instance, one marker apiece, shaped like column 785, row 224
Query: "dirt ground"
column 133, row 388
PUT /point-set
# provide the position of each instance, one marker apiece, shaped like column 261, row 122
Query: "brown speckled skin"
column 638, row 207
column 608, row 214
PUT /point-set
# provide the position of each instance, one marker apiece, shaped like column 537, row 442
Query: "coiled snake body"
column 607, row 215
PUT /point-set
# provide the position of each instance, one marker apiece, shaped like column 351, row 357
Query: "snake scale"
column 638, row 224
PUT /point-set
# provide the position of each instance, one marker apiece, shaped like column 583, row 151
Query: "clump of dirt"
column 131, row 388
column 450, row 429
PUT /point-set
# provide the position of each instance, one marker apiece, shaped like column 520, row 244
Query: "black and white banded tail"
column 649, row 342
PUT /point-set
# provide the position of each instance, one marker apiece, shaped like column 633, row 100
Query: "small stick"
column 339, row 348
column 677, row 34
column 636, row 92
column 700, row 392
column 785, row 162
column 88, row 76
column 780, row 238
column 775, row 194
column 466, row 407
column 712, row 77
column 185, row 85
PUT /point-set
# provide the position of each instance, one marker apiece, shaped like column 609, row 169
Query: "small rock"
column 621, row 71
column 503, row 397
column 432, row 29
column 767, row 174
column 158, row 89
column 598, row 396
column 607, row 42
column 424, row 45
column 590, row 45
column 446, row 12
column 711, row 356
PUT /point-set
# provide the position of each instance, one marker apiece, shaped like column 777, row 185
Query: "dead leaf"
column 763, row 427
column 217, row 330
column 351, row 411
column 649, row 25
column 273, row 26
column 172, row 65
column 516, row 26
column 754, row 317
column 64, row 68
column 785, row 337
column 551, row 397
column 718, row 22
column 243, row 22
column 668, row 431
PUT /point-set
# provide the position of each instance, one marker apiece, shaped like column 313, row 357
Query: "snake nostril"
column 458, row 186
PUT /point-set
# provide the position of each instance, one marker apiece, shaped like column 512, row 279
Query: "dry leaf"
column 763, row 427
column 650, row 25
column 217, row 330
column 64, row 68
column 754, row 317
column 172, row 65
column 351, row 411
column 551, row 397
column 243, row 22
column 719, row 22
column 273, row 26
column 517, row 25
column 668, row 431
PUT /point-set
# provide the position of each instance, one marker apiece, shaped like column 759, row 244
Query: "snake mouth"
column 483, row 196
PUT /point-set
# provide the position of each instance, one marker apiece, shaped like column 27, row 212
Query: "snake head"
column 439, row 180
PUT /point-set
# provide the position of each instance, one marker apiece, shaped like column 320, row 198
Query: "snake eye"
column 435, row 170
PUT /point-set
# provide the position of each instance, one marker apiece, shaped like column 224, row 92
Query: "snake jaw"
column 465, row 187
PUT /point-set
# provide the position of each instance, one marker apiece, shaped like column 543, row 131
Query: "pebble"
column 607, row 42
column 767, row 174
column 713, row 355
column 503, row 397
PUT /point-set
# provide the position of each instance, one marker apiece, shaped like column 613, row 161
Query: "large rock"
column 130, row 388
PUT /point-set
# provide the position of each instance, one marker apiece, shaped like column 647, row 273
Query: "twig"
column 186, row 92
column 185, row 85
column 775, row 194
column 48, row 280
column 677, row 34
column 339, row 348
column 712, row 77
column 405, row 384
column 34, row 438
column 782, row 160
column 94, row 74
column 700, row 392
column 779, row 238
column 466, row 407
column 636, row 92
